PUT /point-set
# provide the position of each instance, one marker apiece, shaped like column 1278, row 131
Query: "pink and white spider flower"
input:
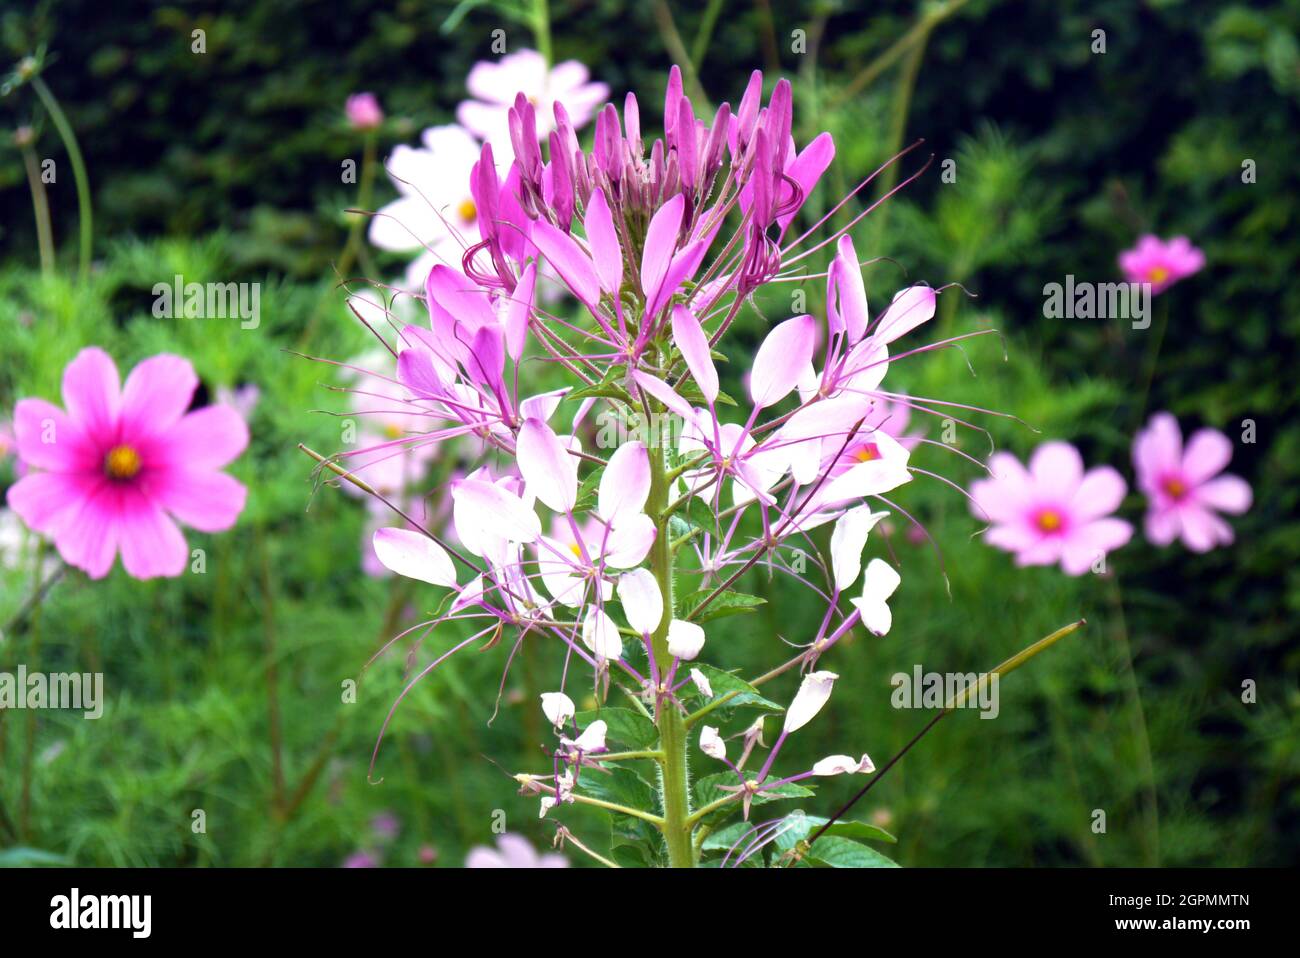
column 661, row 241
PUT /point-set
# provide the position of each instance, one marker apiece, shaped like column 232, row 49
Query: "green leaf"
column 609, row 387
column 727, row 603
column 630, row 729
column 620, row 785
column 725, row 683
column 832, row 852
column 25, row 857
column 799, row 825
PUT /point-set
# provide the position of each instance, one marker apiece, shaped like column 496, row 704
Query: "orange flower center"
column 1158, row 274
column 1175, row 487
column 122, row 462
column 393, row 431
column 467, row 211
column 866, row 453
column 1049, row 520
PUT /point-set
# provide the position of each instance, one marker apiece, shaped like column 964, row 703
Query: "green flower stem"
column 713, row 806
column 628, row 756
column 69, row 138
column 674, row 780
column 41, row 209
column 541, row 23
column 700, row 713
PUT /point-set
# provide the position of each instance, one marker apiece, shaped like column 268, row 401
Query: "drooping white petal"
column 711, row 743
column 592, row 738
column 558, row 708
column 643, row 602
column 813, row 693
column 600, row 634
column 701, row 683
column 844, row 765
column 848, row 539
column 685, row 639
column 878, row 585
column 415, row 556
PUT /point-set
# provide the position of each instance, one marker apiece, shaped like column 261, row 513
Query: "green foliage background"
column 224, row 689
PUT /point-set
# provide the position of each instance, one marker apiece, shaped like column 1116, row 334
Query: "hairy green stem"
column 674, row 782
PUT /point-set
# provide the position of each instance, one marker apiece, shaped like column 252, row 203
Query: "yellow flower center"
column 467, row 211
column 393, row 431
column 866, row 453
column 1158, row 274
column 122, row 462
column 1049, row 520
column 576, row 550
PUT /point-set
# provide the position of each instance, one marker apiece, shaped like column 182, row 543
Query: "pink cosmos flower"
column 513, row 851
column 1054, row 511
column 363, row 111
column 494, row 87
column 1184, row 486
column 122, row 463
column 1161, row 263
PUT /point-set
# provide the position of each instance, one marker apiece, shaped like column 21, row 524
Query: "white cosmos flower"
column 557, row 707
column 435, row 208
column 808, row 701
column 877, row 586
column 711, row 743
column 685, row 639
column 843, row 765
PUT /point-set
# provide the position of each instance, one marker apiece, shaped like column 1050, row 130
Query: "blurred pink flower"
column 363, row 111
column 122, row 463
column 1052, row 512
column 243, row 399
column 1161, row 263
column 1183, row 486
column 361, row 860
column 435, row 214
column 513, row 851
column 494, row 87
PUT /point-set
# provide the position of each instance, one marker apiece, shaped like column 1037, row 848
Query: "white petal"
column 643, row 602
column 848, row 539
column 685, row 639
column 557, row 707
column 711, row 743
column 415, row 556
column 701, row 683
column 600, row 634
column 592, row 738
column 813, row 693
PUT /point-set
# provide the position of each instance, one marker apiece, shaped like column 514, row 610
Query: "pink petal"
column 203, row 499
column 518, row 310
column 664, row 393
column 852, row 291
column 1099, row 494
column 1202, row 530
column 156, row 395
column 414, row 555
column 1057, row 470
column 806, row 170
column 546, row 465
column 1226, row 493
column 493, row 510
column 682, row 267
column 694, row 346
column 87, row 536
column 781, row 359
column 910, row 308
column 46, row 501
column 150, row 542
column 207, row 438
column 460, row 296
column 603, row 240
column 630, row 541
column 67, row 448
column 91, row 394
column 573, row 265
column 1162, row 526
column 1158, row 448
column 1012, row 536
column 660, row 244
column 1207, row 454
column 1088, row 543
column 626, row 483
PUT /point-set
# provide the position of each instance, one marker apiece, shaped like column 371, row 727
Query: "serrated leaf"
column 620, row 785
column 726, row 603
column 627, row 728
column 833, row 852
